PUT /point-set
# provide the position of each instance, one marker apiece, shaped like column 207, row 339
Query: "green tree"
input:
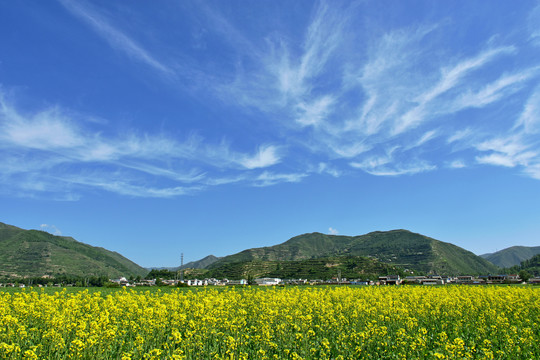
column 524, row 275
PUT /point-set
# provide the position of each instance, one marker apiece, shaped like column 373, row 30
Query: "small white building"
column 238, row 282
column 268, row 281
column 197, row 282
column 122, row 281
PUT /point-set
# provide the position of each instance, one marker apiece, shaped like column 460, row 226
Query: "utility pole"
column 182, row 268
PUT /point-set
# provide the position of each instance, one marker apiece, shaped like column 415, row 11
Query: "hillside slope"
column 350, row 267
column 38, row 253
column 512, row 256
column 401, row 248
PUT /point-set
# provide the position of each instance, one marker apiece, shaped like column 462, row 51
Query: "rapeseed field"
column 452, row 322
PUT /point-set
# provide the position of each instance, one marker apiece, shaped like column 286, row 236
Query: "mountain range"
column 313, row 255
column 34, row 253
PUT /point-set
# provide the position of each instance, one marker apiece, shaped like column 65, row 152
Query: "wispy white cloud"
column 117, row 39
column 376, row 161
column 315, row 112
column 529, row 118
column 323, row 37
column 533, row 23
column 387, row 165
column 332, row 231
column 266, row 156
column 401, row 169
column 457, row 164
column 48, row 129
column 452, row 76
column 459, row 135
column 498, row 159
column 512, row 151
column 114, row 185
column 388, row 78
column 269, row 178
column 495, row 91
column 426, row 137
column 533, row 171
column 520, row 146
column 449, row 79
column 325, row 168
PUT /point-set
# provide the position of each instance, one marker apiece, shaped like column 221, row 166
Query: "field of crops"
column 453, row 322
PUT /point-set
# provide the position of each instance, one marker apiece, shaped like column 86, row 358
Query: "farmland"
column 274, row 323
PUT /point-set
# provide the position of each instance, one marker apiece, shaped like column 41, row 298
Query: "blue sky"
column 156, row 128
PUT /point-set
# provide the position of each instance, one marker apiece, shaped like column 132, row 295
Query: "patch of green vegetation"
column 530, row 266
column 350, row 267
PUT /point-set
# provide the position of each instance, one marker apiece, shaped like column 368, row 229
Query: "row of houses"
column 382, row 280
column 466, row 280
column 196, row 282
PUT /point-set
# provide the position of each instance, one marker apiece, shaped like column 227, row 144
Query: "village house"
column 238, row 282
column 464, row 279
column 414, row 279
column 122, row 281
column 268, row 281
column 197, row 282
column 389, row 280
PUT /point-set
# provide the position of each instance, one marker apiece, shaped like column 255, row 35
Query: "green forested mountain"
column 512, row 256
column 36, row 253
column 401, row 248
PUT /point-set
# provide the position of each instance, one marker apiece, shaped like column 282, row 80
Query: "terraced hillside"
column 37, row 253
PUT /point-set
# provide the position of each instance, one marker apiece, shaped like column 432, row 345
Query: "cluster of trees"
column 527, row 268
column 163, row 274
column 63, row 280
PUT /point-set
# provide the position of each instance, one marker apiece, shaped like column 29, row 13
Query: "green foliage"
column 164, row 274
column 112, row 285
column 530, row 266
column 61, row 280
column 524, row 275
